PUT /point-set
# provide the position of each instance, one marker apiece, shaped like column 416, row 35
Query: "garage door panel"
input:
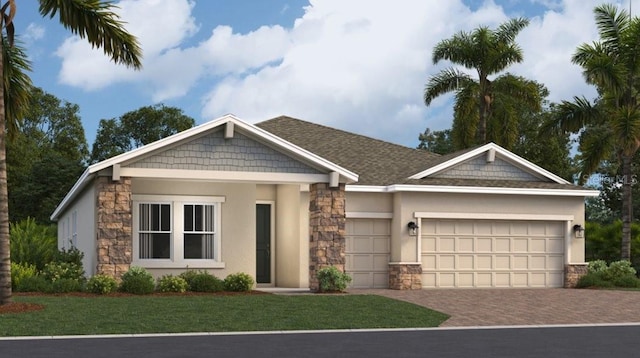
column 367, row 252
column 492, row 254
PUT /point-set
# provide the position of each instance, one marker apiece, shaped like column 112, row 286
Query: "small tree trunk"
column 5, row 257
column 627, row 208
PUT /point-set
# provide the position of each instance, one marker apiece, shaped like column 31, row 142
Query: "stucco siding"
column 369, row 202
column 214, row 152
column 238, row 230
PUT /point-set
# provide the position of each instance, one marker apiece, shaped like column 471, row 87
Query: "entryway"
column 263, row 243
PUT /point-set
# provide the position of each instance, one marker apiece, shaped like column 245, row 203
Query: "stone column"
column 405, row 276
column 326, row 229
column 572, row 274
column 114, row 234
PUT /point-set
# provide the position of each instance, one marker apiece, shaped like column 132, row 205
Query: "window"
column 176, row 231
column 199, row 231
column 154, row 231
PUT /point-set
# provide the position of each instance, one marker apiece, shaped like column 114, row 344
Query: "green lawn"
column 68, row 315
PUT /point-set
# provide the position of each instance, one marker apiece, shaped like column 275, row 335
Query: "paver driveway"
column 496, row 307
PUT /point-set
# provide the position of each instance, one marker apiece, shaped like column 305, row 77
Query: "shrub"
column 72, row 256
column 627, row 281
column 33, row 284
column 593, row 279
column 188, row 276
column 20, row 272
column 32, row 243
column 102, row 284
column 137, row 281
column 238, row 282
column 64, row 285
column 597, row 266
column 332, row 280
column 618, row 269
column 204, row 282
column 170, row 283
column 54, row 271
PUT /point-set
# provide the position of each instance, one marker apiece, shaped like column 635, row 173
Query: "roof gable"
column 488, row 162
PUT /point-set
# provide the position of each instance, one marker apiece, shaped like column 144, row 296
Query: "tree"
column 610, row 128
column 438, row 142
column 47, row 154
column 137, row 128
column 484, row 109
column 94, row 21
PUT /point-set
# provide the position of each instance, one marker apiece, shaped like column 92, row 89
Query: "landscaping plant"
column 102, row 284
column 170, row 283
column 238, row 282
column 204, row 282
column 332, row 280
column 138, row 281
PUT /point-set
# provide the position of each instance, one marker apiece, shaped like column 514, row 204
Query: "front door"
column 263, row 243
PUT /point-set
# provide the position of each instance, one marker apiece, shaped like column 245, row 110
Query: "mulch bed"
column 22, row 307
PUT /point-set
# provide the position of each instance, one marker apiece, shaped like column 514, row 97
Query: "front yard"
column 72, row 315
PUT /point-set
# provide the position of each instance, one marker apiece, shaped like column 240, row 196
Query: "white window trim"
column 176, row 259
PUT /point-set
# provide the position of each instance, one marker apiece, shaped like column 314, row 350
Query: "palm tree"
column 485, row 110
column 93, row 20
column 610, row 128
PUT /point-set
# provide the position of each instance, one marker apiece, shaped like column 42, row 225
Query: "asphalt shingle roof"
column 378, row 162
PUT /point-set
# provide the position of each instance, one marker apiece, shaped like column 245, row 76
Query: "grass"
column 69, row 315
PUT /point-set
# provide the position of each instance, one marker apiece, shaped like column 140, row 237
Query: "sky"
column 356, row 65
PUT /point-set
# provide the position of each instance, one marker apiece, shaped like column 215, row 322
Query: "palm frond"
column 95, row 21
column 573, row 116
column 596, row 145
column 508, row 31
column 611, row 24
column 445, row 81
column 17, row 85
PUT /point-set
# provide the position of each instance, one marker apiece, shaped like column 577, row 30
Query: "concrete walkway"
column 498, row 307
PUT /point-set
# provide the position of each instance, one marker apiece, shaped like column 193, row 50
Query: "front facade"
column 283, row 198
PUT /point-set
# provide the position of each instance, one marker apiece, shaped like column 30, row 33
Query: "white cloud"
column 359, row 65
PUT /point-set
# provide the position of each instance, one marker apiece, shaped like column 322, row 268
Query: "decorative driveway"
column 507, row 307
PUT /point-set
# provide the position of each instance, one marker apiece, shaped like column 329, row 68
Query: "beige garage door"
column 484, row 253
column 367, row 252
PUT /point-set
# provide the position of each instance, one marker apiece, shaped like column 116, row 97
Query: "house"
column 283, row 198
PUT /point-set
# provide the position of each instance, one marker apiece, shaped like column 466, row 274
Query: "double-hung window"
column 176, row 231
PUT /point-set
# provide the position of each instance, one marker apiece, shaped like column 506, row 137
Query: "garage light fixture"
column 578, row 230
column 413, row 228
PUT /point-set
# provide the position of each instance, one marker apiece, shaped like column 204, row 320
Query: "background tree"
column 484, row 109
column 438, row 142
column 94, row 21
column 47, row 154
column 137, row 128
column 610, row 128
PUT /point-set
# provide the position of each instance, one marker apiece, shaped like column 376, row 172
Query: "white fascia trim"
column 71, row 194
column 492, row 216
column 467, row 190
column 491, row 190
column 503, row 152
column 367, row 215
column 241, row 177
column 405, row 263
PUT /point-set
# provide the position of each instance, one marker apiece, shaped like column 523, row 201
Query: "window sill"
column 183, row 264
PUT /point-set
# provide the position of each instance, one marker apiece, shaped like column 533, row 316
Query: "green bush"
column 54, row 271
column 32, row 243
column 102, row 284
column 238, row 282
column 618, row 269
column 597, row 266
column 64, row 285
column 137, row 281
column 332, row 280
column 204, row 282
column 170, row 283
column 20, row 272
column 34, row 284
column 603, row 242
column 627, row 281
column 593, row 279
column 72, row 256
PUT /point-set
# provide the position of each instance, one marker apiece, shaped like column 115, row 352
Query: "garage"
column 466, row 253
column 367, row 252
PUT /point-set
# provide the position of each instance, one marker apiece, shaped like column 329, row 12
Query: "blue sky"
column 357, row 65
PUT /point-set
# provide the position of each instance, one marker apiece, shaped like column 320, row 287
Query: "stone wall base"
column 572, row 273
column 405, row 276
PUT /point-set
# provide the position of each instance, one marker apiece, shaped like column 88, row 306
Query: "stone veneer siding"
column 326, row 229
column 572, row 274
column 114, row 234
column 405, row 276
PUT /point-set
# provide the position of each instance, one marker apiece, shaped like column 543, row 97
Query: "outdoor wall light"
column 413, row 228
column 578, row 230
